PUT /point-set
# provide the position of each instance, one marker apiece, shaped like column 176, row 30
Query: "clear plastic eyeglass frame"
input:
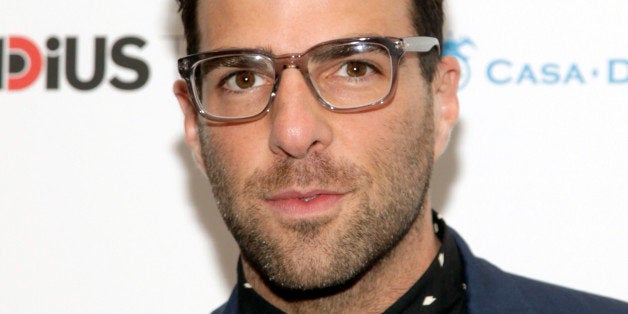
column 396, row 47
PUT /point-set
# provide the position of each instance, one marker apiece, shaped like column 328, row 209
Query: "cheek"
column 402, row 143
column 414, row 103
column 389, row 129
column 237, row 149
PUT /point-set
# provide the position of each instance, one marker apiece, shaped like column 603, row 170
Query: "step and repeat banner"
column 102, row 209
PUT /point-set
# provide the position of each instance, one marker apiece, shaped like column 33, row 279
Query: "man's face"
column 314, row 197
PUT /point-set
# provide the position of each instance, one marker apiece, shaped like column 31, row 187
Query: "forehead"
column 286, row 26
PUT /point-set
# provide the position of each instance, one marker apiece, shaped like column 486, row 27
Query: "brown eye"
column 245, row 80
column 356, row 69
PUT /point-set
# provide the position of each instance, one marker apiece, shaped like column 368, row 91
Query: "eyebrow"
column 269, row 50
column 266, row 49
column 233, row 62
column 343, row 51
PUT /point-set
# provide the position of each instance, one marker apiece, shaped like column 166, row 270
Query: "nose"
column 299, row 125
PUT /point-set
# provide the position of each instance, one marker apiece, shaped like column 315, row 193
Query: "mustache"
column 316, row 170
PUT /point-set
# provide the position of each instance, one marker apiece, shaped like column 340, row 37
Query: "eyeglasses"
column 345, row 75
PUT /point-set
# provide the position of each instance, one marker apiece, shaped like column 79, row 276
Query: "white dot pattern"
column 428, row 300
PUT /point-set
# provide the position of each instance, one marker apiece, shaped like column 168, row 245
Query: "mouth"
column 298, row 205
column 309, row 198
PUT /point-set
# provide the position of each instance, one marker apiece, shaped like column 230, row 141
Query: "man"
column 317, row 124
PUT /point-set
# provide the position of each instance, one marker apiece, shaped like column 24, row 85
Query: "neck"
column 380, row 287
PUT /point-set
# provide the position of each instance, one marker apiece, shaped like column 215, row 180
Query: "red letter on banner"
column 32, row 70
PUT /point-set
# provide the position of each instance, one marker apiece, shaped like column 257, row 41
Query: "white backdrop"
column 103, row 211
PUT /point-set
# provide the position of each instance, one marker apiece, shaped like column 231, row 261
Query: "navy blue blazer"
column 491, row 290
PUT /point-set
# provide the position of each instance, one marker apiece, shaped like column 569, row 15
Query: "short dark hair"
column 427, row 15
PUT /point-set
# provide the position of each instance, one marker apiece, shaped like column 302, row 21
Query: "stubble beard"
column 325, row 253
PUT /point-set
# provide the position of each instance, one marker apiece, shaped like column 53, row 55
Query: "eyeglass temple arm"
column 420, row 44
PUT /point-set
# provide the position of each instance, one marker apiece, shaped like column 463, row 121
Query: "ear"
column 445, row 96
column 190, row 121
